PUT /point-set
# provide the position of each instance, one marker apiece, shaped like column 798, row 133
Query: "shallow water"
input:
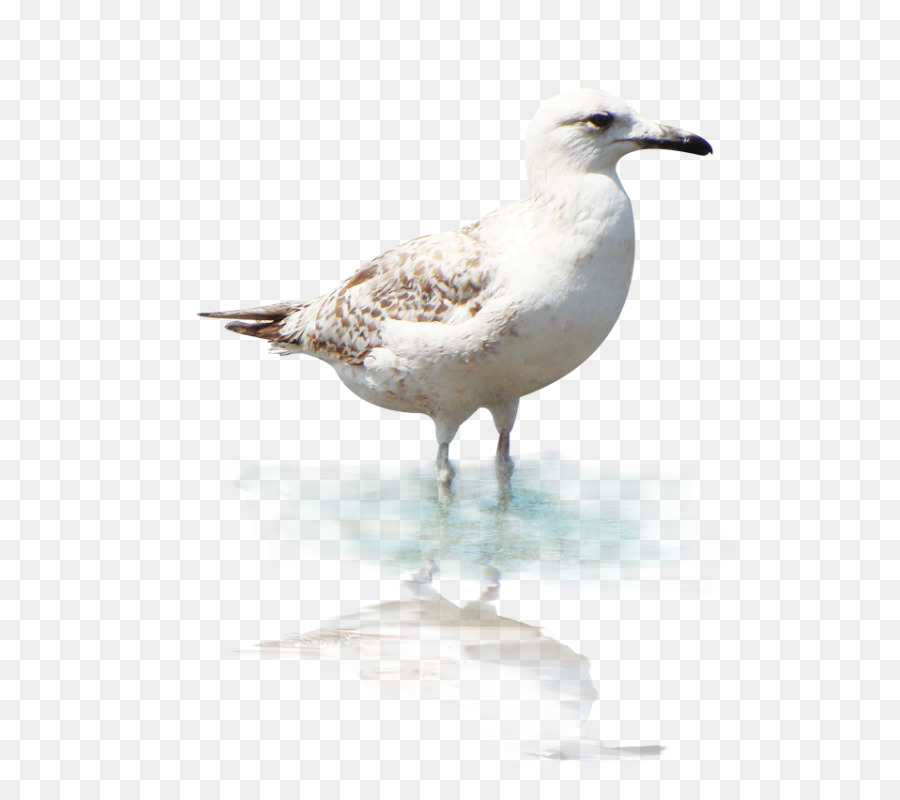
column 560, row 518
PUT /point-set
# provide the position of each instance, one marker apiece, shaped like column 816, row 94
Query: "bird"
column 470, row 651
column 481, row 316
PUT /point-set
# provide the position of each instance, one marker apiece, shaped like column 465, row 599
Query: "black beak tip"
column 704, row 147
column 681, row 141
column 693, row 144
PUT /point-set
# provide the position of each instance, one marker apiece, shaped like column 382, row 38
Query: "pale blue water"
column 560, row 516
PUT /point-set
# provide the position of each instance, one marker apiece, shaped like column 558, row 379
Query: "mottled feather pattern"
column 439, row 278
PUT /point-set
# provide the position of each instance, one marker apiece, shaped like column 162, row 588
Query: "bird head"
column 588, row 131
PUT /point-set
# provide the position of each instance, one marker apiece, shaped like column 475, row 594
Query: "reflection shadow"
column 558, row 515
column 528, row 690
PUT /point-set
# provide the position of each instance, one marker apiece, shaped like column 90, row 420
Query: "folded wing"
column 438, row 278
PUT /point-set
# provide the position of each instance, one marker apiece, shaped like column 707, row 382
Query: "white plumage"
column 478, row 317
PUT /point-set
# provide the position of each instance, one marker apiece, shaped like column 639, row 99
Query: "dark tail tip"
column 259, row 330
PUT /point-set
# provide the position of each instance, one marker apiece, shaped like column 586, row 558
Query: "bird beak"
column 663, row 137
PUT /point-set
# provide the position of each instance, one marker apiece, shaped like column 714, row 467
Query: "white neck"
column 579, row 197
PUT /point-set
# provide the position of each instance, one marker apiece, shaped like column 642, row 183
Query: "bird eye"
column 600, row 120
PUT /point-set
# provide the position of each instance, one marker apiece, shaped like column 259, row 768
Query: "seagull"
column 481, row 316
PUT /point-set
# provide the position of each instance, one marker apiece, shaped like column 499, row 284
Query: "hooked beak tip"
column 675, row 139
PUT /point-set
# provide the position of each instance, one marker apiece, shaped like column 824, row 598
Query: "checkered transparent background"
column 163, row 159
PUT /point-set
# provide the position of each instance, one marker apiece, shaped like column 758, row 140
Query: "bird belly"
column 550, row 343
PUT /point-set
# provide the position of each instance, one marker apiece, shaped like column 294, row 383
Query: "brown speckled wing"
column 439, row 278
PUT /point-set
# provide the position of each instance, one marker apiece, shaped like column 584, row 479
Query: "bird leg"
column 443, row 469
column 504, row 419
column 504, row 462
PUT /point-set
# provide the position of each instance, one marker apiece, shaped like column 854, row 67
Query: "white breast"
column 570, row 270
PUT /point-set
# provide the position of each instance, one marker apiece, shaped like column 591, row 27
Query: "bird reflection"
column 539, row 689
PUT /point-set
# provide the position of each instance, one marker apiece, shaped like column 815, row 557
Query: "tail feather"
column 273, row 313
column 260, row 330
column 266, row 320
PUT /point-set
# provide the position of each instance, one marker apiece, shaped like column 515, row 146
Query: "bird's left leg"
column 444, row 470
column 504, row 419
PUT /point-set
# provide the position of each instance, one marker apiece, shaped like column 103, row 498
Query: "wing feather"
column 440, row 278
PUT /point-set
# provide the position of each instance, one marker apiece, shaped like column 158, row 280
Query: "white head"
column 588, row 131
